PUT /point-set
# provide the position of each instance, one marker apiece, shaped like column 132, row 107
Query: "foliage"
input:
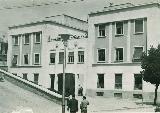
column 151, row 65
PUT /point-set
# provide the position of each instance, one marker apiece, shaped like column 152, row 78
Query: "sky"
column 79, row 9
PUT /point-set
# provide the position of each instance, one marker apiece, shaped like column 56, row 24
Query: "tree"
column 151, row 68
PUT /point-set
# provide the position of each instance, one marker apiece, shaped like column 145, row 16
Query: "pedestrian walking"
column 83, row 105
column 73, row 105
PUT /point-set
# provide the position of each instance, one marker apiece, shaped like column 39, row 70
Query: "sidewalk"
column 103, row 105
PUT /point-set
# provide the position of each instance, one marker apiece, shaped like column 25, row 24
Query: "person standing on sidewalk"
column 73, row 105
column 83, row 105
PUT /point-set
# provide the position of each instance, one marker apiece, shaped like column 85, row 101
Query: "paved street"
column 14, row 99
column 17, row 100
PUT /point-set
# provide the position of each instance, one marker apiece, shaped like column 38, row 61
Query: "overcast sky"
column 23, row 15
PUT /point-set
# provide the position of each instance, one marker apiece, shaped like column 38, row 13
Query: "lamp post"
column 64, row 38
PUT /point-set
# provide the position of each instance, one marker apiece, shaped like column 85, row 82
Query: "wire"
column 39, row 5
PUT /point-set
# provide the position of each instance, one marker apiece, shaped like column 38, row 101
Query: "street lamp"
column 64, row 38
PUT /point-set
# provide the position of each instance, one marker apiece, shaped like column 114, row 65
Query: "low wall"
column 56, row 98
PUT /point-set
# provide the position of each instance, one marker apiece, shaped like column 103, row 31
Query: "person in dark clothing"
column 83, row 105
column 73, row 105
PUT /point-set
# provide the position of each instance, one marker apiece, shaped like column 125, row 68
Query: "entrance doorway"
column 69, row 83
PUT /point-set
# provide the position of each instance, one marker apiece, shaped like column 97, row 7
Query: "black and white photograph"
column 79, row 56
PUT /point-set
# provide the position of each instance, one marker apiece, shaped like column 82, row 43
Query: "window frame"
column 135, row 26
column 26, row 76
column 116, row 28
column 36, row 82
column 25, row 39
column 24, row 59
column 50, row 57
column 115, row 81
column 101, row 36
column 134, row 50
column 103, row 80
column 35, row 37
column 14, row 38
column 59, row 57
column 134, row 81
column 98, row 55
column 80, row 58
column 17, row 59
column 116, row 54
column 71, row 56
column 39, row 59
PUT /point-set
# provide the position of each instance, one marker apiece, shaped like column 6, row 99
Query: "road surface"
column 14, row 99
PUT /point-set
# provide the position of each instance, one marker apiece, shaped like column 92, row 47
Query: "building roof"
column 63, row 19
column 122, row 6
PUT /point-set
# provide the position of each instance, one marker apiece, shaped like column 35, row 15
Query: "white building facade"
column 117, row 37
column 35, row 52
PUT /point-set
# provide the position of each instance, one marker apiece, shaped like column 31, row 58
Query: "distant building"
column 117, row 37
column 35, row 52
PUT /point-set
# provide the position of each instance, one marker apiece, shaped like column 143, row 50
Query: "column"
column 110, row 43
column 128, row 42
column 56, row 82
column 31, row 52
column 20, row 49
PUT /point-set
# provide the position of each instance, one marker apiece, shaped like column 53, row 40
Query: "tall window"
column 119, row 54
column 101, row 30
column 71, row 57
column 101, row 55
column 119, row 28
column 137, row 54
column 26, row 39
column 100, row 81
column 38, row 37
column 118, row 81
column 61, row 57
column 16, row 40
column 80, row 56
column 37, row 58
column 26, row 59
column 52, row 58
column 139, row 26
column 25, row 76
column 137, row 81
column 36, row 76
column 15, row 60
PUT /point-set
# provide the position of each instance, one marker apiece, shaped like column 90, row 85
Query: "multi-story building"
column 117, row 37
column 35, row 52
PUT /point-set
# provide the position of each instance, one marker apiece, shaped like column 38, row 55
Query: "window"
column 100, row 81
column 118, row 81
column 26, row 39
column 137, row 81
column 61, row 57
column 37, row 58
column 119, row 54
column 137, row 54
column 138, row 96
column 101, row 31
column 71, row 57
column 36, row 76
column 16, row 41
column 119, row 28
column 26, row 57
column 38, row 37
column 101, row 55
column 52, row 58
column 25, row 76
column 14, row 74
column 15, row 60
column 81, row 56
column 139, row 26
column 118, row 95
